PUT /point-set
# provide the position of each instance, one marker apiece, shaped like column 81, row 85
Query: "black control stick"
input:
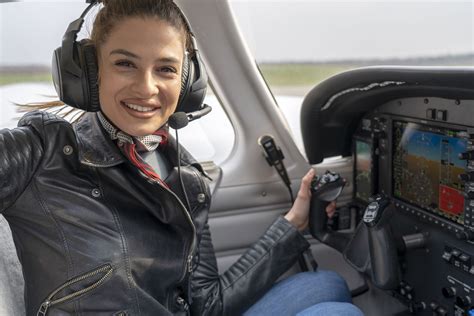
column 382, row 248
column 324, row 189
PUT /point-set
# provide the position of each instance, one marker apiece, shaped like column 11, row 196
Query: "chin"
column 142, row 131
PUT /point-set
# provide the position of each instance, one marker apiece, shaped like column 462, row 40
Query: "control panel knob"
column 434, row 305
column 469, row 195
column 463, row 301
column 448, row 291
column 441, row 311
column 466, row 177
column 465, row 235
column 416, row 307
column 469, row 155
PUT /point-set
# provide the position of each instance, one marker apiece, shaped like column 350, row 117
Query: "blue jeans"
column 307, row 294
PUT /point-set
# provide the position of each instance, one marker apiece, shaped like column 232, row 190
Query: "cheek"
column 109, row 86
column 172, row 95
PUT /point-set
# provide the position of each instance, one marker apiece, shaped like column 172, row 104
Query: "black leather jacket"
column 95, row 237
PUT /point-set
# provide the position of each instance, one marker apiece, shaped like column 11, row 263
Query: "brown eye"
column 168, row 69
column 124, row 64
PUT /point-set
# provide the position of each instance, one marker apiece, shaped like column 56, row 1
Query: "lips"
column 138, row 108
column 141, row 110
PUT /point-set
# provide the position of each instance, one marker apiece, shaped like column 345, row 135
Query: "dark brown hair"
column 115, row 11
column 112, row 13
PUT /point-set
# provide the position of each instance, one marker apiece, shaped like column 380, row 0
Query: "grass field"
column 284, row 75
column 11, row 78
column 279, row 75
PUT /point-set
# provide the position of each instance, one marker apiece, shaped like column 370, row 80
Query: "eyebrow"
column 132, row 55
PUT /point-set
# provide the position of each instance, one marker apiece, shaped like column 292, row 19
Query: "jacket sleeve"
column 20, row 154
column 250, row 277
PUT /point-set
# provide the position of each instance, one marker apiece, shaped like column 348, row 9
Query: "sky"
column 279, row 30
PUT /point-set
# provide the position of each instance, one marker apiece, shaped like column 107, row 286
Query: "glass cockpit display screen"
column 426, row 168
column 363, row 170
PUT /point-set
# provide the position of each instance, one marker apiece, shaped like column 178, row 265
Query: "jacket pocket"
column 61, row 295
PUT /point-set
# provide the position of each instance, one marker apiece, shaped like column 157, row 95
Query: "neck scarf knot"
column 131, row 146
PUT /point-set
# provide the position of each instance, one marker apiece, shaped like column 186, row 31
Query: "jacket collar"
column 98, row 150
column 95, row 146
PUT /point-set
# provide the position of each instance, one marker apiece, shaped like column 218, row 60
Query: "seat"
column 11, row 277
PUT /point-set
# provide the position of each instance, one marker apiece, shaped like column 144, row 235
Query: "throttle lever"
column 382, row 248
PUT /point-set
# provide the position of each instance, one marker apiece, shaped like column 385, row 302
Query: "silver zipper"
column 190, row 263
column 49, row 300
column 182, row 303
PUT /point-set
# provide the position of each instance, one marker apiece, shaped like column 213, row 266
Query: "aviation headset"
column 75, row 71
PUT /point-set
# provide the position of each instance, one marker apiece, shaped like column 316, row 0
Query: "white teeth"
column 138, row 107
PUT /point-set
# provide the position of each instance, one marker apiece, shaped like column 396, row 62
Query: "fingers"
column 331, row 209
column 308, row 177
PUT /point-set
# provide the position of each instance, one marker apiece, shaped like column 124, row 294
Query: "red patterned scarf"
column 131, row 146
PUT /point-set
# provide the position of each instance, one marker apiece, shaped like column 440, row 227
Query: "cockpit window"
column 299, row 43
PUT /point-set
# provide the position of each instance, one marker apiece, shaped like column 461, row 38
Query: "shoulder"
column 40, row 120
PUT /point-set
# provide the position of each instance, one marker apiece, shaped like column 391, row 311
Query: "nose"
column 145, row 85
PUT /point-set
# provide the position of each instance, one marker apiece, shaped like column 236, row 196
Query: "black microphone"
column 178, row 120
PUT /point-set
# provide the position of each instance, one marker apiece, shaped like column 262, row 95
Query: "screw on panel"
column 426, row 101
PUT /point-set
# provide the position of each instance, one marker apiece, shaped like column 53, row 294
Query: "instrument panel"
column 426, row 166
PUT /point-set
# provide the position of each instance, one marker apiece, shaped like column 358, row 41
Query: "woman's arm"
column 250, row 277
column 258, row 268
column 20, row 153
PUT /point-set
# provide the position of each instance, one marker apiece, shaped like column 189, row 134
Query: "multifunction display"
column 363, row 170
column 426, row 168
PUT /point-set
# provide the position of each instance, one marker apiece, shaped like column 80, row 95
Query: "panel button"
column 441, row 311
column 447, row 256
column 431, row 114
column 455, row 253
column 442, row 115
column 464, row 258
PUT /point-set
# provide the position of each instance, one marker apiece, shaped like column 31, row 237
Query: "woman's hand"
column 299, row 213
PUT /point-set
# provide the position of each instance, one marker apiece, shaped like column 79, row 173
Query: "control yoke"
column 324, row 189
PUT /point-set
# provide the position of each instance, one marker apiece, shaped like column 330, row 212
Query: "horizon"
column 469, row 55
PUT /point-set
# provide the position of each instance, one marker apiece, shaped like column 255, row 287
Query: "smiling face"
column 140, row 67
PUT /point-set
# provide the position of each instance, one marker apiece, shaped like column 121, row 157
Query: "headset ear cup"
column 91, row 84
column 193, row 89
column 185, row 83
column 56, row 72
